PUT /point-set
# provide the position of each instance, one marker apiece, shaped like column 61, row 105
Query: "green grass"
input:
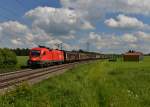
column 98, row 84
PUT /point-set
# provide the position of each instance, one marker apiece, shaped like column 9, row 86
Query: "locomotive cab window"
column 44, row 53
column 35, row 53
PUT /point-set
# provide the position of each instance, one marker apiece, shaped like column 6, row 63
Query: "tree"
column 7, row 57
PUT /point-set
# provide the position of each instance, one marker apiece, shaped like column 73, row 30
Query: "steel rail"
column 11, row 79
column 6, row 84
column 27, row 73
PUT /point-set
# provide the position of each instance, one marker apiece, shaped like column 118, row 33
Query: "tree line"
column 21, row 52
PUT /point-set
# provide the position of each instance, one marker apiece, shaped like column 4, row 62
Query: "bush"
column 1, row 57
column 7, row 58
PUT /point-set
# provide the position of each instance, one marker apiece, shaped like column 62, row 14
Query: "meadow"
column 96, row 84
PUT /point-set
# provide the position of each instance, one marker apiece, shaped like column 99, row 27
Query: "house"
column 133, row 56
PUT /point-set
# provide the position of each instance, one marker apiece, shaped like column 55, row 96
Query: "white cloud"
column 13, row 33
column 57, row 21
column 102, row 41
column 126, row 22
column 143, row 36
column 109, row 42
column 78, row 17
column 16, row 41
column 94, row 7
column 87, row 25
column 68, row 37
column 95, row 37
column 87, row 9
column 93, row 10
column 13, row 28
column 129, row 38
column 16, row 35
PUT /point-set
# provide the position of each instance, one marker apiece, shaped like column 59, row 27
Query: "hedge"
column 7, row 58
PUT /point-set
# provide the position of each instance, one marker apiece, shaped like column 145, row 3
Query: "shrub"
column 1, row 57
column 7, row 58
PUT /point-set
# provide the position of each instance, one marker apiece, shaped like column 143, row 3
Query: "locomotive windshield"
column 35, row 53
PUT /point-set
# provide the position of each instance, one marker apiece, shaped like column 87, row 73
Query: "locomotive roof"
column 43, row 48
column 38, row 48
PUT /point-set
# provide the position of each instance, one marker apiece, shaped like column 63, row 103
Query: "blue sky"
column 109, row 26
column 15, row 9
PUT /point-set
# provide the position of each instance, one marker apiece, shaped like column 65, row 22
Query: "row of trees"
column 21, row 52
column 7, row 58
column 25, row 51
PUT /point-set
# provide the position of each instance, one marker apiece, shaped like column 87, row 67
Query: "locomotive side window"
column 35, row 53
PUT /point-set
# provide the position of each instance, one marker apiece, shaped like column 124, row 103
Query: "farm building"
column 133, row 56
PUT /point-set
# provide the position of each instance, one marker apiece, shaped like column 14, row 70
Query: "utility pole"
column 59, row 46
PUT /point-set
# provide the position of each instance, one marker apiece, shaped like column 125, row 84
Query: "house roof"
column 133, row 53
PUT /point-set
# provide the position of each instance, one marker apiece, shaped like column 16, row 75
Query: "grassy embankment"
column 98, row 84
column 21, row 62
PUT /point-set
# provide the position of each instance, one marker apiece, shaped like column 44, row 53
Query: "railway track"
column 11, row 79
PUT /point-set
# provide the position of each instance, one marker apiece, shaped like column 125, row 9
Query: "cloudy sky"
column 109, row 26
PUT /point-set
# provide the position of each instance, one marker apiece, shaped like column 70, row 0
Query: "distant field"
column 98, row 84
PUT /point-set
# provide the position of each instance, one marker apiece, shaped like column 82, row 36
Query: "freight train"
column 43, row 56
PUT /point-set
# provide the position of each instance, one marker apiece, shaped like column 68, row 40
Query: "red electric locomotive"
column 45, row 56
